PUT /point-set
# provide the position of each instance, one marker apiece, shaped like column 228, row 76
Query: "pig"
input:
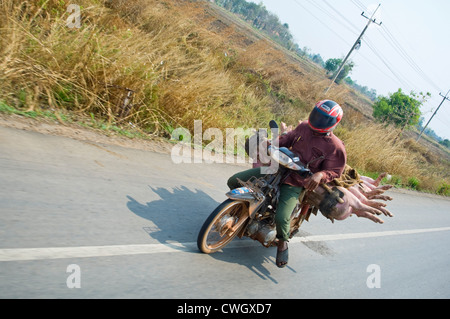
column 369, row 201
column 371, row 188
column 374, row 182
column 351, row 205
column 375, row 192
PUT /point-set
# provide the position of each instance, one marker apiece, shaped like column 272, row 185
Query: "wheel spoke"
column 223, row 228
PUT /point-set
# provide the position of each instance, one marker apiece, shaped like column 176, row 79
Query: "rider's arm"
column 334, row 165
column 288, row 139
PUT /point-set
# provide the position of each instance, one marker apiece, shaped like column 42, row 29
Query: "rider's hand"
column 285, row 129
column 312, row 182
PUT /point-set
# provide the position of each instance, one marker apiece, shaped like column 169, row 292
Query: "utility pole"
column 443, row 100
column 357, row 43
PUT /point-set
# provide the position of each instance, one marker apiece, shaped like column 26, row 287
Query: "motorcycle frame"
column 256, row 198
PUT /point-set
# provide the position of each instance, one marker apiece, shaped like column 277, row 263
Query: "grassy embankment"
column 183, row 64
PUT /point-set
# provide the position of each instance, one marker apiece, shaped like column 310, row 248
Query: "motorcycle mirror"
column 273, row 124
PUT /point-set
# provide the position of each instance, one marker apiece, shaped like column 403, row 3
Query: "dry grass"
column 176, row 77
column 372, row 148
column 183, row 64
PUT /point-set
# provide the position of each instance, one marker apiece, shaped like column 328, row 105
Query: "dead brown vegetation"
column 182, row 61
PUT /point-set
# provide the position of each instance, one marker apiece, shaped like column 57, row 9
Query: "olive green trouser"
column 286, row 204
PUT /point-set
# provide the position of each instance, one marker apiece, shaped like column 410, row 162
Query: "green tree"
column 399, row 109
column 344, row 72
column 446, row 143
column 331, row 65
column 317, row 58
column 260, row 18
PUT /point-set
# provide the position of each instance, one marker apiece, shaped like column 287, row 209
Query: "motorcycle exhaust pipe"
column 262, row 232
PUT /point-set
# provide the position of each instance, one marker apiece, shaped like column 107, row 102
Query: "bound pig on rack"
column 348, row 195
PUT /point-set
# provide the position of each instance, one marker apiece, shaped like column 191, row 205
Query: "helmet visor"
column 321, row 120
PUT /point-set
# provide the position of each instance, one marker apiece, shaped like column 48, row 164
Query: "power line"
column 324, row 10
column 354, row 29
column 402, row 36
column 402, row 79
column 358, row 41
column 443, row 100
column 315, row 4
column 359, row 4
column 404, row 54
column 324, row 24
column 377, row 67
column 333, row 17
column 336, row 16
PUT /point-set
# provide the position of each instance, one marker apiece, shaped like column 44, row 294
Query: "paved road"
column 122, row 223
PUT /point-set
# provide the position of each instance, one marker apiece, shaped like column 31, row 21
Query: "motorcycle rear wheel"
column 219, row 229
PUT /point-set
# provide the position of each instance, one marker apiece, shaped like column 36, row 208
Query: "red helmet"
column 325, row 116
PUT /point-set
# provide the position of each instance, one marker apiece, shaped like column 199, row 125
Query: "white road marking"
column 367, row 235
column 17, row 254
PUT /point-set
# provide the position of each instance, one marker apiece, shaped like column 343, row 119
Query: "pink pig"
column 370, row 188
column 351, row 205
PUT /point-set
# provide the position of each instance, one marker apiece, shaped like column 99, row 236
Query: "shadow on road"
column 258, row 259
column 178, row 216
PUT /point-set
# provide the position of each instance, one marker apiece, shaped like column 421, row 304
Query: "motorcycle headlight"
column 281, row 158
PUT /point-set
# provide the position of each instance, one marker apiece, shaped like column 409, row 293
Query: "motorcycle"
column 250, row 210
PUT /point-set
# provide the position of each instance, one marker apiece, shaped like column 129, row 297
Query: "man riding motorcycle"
column 320, row 150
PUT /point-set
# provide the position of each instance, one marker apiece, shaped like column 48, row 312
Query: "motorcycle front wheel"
column 222, row 225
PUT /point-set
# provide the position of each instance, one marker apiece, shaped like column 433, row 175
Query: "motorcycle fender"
column 247, row 197
column 243, row 194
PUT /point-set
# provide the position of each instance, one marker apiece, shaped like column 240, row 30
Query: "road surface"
column 81, row 219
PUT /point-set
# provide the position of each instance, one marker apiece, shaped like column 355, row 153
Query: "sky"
column 409, row 50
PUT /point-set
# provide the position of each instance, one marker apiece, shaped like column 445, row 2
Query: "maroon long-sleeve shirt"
column 324, row 154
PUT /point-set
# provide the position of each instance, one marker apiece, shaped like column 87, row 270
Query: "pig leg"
column 360, row 194
column 367, row 201
column 377, row 191
column 384, row 187
column 375, row 182
column 366, row 186
column 357, row 207
column 372, row 186
column 385, row 211
column 367, row 179
column 370, row 191
column 379, row 178
column 382, row 197
column 363, row 199
column 370, row 216
column 362, row 211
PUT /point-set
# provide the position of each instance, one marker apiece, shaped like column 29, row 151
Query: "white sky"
column 410, row 50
